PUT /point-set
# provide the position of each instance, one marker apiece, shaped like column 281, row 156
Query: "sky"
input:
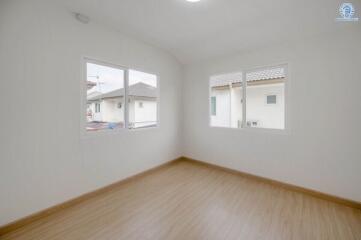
column 109, row 79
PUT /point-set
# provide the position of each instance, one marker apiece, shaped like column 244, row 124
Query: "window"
column 143, row 99
column 105, row 87
column 271, row 99
column 213, row 106
column 97, row 107
column 108, row 87
column 226, row 100
column 263, row 105
column 261, row 83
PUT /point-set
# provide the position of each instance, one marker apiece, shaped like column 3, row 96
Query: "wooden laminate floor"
column 189, row 201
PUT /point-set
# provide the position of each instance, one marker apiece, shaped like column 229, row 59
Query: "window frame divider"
column 244, row 100
column 126, row 103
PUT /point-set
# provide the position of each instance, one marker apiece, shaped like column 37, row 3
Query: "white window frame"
column 83, row 103
column 287, row 101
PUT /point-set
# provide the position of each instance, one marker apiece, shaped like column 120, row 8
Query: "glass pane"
column 213, row 106
column 142, row 99
column 105, row 97
column 271, row 99
column 265, row 98
column 226, row 100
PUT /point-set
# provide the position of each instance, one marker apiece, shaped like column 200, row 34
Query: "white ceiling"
column 211, row 28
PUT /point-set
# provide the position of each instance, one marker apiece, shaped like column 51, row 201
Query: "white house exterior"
column 108, row 108
column 264, row 100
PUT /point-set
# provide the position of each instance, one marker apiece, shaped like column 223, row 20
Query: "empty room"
column 180, row 120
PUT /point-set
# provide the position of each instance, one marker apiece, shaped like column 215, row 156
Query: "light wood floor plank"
column 190, row 201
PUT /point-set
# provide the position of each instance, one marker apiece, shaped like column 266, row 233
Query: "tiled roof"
column 226, row 79
column 139, row 90
column 271, row 73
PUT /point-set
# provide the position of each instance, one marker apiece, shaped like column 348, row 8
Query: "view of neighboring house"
column 264, row 100
column 106, row 110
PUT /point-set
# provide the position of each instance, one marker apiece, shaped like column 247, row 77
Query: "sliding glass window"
column 249, row 99
column 118, row 98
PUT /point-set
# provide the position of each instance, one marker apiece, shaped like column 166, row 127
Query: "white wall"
column 110, row 111
column 322, row 150
column 267, row 115
column 147, row 113
column 43, row 158
column 223, row 108
column 229, row 106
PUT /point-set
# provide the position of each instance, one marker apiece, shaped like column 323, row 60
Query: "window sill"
column 256, row 130
column 110, row 132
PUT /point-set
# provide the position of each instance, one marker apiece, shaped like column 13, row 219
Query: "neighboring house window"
column 236, row 111
column 111, row 84
column 97, row 107
column 271, row 99
column 213, row 106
